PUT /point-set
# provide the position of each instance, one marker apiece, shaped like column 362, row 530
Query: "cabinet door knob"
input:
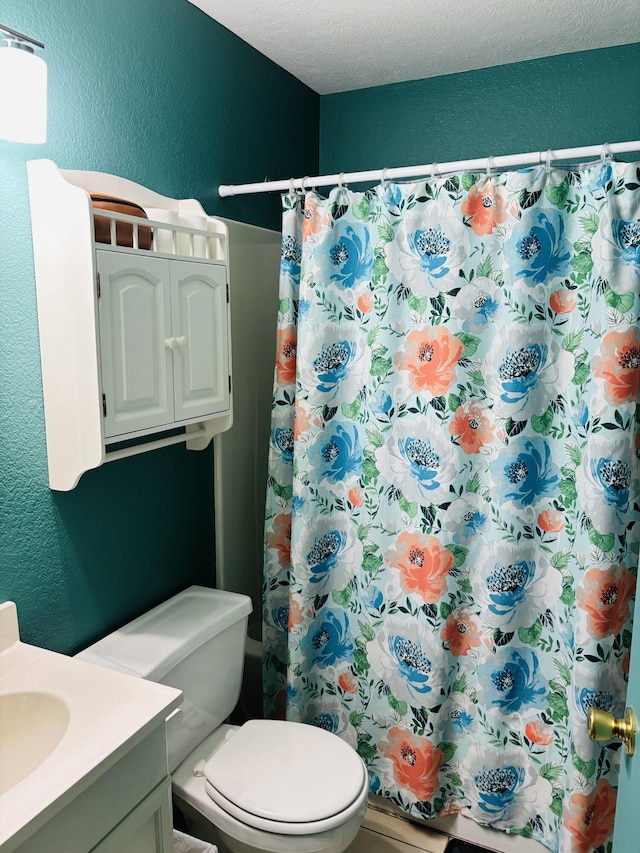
column 182, row 341
column 171, row 343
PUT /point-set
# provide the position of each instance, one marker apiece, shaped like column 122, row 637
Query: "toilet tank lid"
column 155, row 642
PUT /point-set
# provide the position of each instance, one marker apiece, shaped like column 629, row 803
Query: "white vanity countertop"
column 109, row 713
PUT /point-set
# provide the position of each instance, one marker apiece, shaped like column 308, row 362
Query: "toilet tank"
column 193, row 641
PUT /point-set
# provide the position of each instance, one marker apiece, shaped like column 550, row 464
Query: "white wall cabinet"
column 133, row 342
column 163, row 342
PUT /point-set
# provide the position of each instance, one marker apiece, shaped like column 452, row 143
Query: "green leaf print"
column 351, row 410
column 459, row 554
column 360, row 662
column 542, row 423
column 342, row 597
column 362, row 208
column 379, row 266
column 568, row 491
column 558, row 707
column 447, row 749
column 582, row 263
column 603, row 541
column 283, row 305
column 418, row 305
column 557, row 194
column 589, row 223
column 470, row 343
column 572, row 341
column 530, row 636
column 587, row 768
column 400, row 707
column 581, row 374
column 380, row 366
column 409, row 507
column 371, row 562
column 453, row 401
column 620, row 301
column 485, row 268
column 385, row 233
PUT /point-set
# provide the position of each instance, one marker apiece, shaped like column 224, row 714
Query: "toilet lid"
column 286, row 772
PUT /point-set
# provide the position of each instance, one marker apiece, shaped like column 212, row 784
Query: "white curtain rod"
column 481, row 164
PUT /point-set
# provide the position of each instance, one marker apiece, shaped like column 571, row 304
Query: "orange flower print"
column 296, row 610
column 356, row 496
column 303, row 419
column 279, row 538
column 605, row 595
column 430, row 357
column 474, row 427
column 348, row 682
column 562, row 301
column 589, row 817
column 461, row 632
column 313, row 221
column 416, row 762
column 452, row 807
column 286, row 355
column 618, row 363
column 423, row 564
column 551, row 521
column 365, row 302
column 486, row 206
column 539, row 732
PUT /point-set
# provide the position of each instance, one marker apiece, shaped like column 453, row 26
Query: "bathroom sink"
column 63, row 724
column 32, row 724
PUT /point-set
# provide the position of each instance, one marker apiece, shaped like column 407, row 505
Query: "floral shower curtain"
column 452, row 519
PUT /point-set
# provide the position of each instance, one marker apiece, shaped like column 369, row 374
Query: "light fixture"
column 23, row 83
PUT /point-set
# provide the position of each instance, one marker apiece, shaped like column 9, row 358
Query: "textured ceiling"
column 339, row 45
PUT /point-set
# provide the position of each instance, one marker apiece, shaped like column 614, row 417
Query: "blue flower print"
column 351, row 258
column 497, row 788
column 423, row 462
column 381, row 405
column 513, row 583
column 290, row 256
column 512, row 682
column 329, row 641
column 280, row 617
column 538, row 250
column 414, row 665
column 332, row 364
column 519, row 372
column 614, row 477
column 297, row 504
column 601, row 177
column 507, row 587
column 525, row 473
column 323, row 557
column 626, row 236
column 587, row 698
column 282, row 441
column 328, row 722
column 374, row 600
column 336, row 456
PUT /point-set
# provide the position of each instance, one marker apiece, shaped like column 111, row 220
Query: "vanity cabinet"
column 134, row 342
column 126, row 809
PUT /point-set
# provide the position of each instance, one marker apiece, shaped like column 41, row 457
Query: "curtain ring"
column 547, row 161
column 489, row 166
column 383, row 177
column 292, row 187
column 605, row 154
column 341, row 181
column 303, row 183
column 434, row 169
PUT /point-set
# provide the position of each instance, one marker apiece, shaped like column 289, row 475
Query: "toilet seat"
column 260, row 776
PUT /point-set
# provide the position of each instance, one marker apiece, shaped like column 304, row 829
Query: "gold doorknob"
column 603, row 726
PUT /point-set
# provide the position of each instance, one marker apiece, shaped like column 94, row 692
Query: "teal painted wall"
column 156, row 92
column 571, row 100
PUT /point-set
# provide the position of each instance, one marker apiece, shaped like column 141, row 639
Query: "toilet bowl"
column 263, row 806
column 268, row 785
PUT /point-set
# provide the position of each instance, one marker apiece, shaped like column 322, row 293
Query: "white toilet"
column 267, row 785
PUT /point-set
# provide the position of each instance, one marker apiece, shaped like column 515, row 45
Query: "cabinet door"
column 135, row 341
column 199, row 324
